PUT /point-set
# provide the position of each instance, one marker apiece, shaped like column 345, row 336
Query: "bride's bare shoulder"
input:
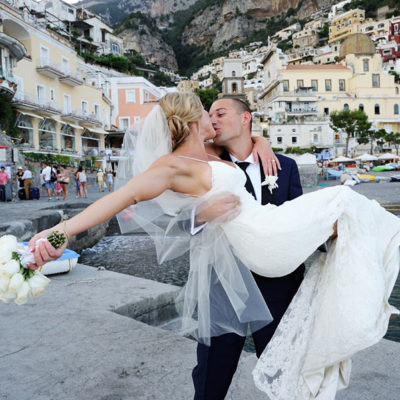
column 170, row 161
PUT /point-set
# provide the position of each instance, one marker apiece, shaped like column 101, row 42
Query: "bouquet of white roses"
column 17, row 281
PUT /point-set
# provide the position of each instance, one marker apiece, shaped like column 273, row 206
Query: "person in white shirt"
column 50, row 186
column 27, row 179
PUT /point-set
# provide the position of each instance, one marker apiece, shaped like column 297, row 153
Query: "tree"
column 393, row 138
column 207, row 97
column 350, row 123
column 371, row 136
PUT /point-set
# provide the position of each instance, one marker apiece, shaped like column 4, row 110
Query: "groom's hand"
column 223, row 206
column 334, row 234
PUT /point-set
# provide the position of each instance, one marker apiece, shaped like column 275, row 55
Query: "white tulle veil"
column 220, row 295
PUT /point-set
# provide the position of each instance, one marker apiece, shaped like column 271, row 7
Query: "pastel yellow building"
column 298, row 99
column 57, row 111
column 188, row 86
column 345, row 24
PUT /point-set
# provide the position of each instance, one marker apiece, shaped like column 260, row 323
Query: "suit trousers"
column 217, row 363
column 27, row 187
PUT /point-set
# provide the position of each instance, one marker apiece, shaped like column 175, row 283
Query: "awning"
column 30, row 115
column 98, row 130
column 76, row 126
column 57, row 119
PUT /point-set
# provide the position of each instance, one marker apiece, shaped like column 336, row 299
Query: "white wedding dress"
column 342, row 305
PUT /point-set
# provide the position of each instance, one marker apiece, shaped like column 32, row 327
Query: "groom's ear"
column 246, row 118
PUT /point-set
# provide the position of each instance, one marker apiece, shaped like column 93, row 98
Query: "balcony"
column 72, row 79
column 8, row 87
column 302, row 110
column 50, row 69
column 82, row 117
column 33, row 102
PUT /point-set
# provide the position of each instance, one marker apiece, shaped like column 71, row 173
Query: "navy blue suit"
column 216, row 364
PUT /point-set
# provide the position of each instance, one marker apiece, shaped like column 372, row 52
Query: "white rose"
column 6, row 297
column 38, row 283
column 10, row 268
column 5, row 255
column 15, row 282
column 4, row 281
column 270, row 181
column 8, row 241
column 23, row 293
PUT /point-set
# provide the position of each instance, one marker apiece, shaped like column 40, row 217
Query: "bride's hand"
column 43, row 251
column 262, row 149
column 334, row 234
column 224, row 207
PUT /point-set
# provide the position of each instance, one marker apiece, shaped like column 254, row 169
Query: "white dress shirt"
column 27, row 174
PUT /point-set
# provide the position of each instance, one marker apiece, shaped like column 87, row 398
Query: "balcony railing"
column 302, row 110
column 82, row 117
column 49, row 68
column 34, row 102
column 72, row 78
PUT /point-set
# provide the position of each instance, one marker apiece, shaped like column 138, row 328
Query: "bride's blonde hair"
column 181, row 109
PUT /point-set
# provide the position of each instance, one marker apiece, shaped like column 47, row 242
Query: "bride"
column 342, row 305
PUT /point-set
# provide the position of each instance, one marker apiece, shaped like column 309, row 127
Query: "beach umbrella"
column 342, row 159
column 367, row 157
column 387, row 156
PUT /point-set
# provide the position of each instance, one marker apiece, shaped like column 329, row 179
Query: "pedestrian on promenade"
column 82, row 179
column 3, row 176
column 27, row 179
column 110, row 180
column 42, row 183
column 100, row 180
column 76, row 177
column 64, row 181
column 18, row 176
column 50, row 178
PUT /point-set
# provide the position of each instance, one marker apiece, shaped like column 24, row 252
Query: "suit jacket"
column 289, row 186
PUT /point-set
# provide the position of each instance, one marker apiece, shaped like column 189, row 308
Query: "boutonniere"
column 270, row 181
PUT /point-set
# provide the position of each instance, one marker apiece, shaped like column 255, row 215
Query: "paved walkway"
column 70, row 344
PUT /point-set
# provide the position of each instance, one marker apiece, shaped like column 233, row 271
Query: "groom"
column 231, row 119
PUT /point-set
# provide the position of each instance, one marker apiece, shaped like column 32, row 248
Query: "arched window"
column 26, row 131
column 67, row 138
column 233, row 73
column 361, row 107
column 47, row 135
column 396, row 109
column 234, row 87
column 346, row 107
column 377, row 109
column 90, row 143
column 366, row 65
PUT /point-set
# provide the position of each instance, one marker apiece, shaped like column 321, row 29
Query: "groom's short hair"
column 242, row 107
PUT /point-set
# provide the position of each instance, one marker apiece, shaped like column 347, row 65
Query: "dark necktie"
column 249, row 186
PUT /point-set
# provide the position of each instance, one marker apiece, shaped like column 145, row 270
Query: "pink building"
column 132, row 99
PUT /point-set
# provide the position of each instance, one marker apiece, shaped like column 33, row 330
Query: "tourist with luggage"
column 27, row 179
column 50, row 178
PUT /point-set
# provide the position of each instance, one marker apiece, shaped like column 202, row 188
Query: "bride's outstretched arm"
column 145, row 186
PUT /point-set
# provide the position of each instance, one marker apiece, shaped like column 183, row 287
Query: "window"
column 326, row 111
column 366, row 65
column 361, row 107
column 294, row 139
column 285, row 86
column 85, row 108
column 315, row 138
column 346, row 107
column 234, row 87
column 65, row 65
column 375, row 80
column 44, row 56
column 26, row 130
column 67, row 138
column 97, row 111
column 342, row 85
column 396, row 109
column 52, row 95
column 377, row 109
column 300, row 83
column 124, row 123
column 233, row 73
column 41, row 94
column 47, row 135
column 328, row 85
column 279, row 140
column 115, row 48
column 294, row 130
column 314, row 85
column 130, row 96
column 67, row 104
